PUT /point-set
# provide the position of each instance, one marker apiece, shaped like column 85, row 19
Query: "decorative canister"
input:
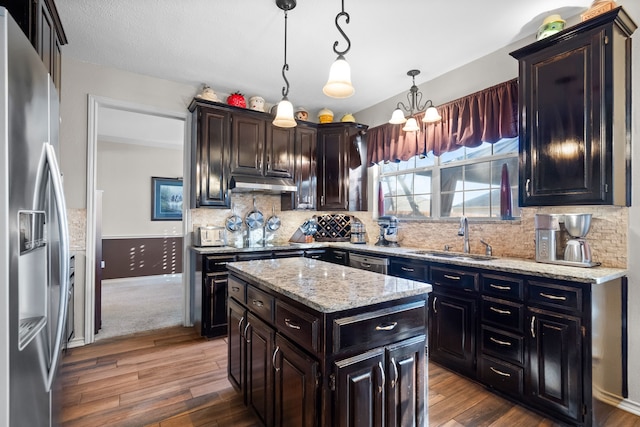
column 208, row 94
column 325, row 116
column 348, row 118
column 302, row 114
column 256, row 103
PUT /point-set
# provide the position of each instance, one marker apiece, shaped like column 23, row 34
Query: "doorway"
column 127, row 144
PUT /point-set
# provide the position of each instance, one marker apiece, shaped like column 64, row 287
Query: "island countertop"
column 324, row 286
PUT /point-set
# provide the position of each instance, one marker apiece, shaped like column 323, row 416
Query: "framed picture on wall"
column 166, row 199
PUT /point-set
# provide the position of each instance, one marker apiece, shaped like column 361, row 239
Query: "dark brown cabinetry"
column 342, row 173
column 408, row 269
column 41, row 23
column 304, row 170
column 575, row 114
column 210, row 156
column 247, row 144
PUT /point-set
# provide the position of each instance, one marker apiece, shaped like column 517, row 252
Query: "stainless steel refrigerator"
column 34, row 243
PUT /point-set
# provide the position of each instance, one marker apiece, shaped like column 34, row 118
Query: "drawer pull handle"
column 410, row 270
column 504, row 374
column 273, row 358
column 365, row 264
column 506, row 343
column 435, row 310
column 448, row 276
column 258, row 303
column 386, row 326
column 246, row 328
column 291, row 325
column 382, row 376
column 235, row 289
column 532, row 328
column 499, row 311
column 395, row 372
column 500, row 288
column 240, row 328
column 553, row 297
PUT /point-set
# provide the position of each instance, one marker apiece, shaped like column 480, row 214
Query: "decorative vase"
column 505, row 194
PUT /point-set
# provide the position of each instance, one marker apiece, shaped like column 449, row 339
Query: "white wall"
column 124, row 174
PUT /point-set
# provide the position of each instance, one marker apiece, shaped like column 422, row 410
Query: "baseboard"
column 630, row 406
column 160, row 278
column 617, row 401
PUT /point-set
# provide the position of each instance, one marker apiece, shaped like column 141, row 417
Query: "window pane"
column 506, row 146
column 409, row 164
column 477, row 176
column 390, row 205
column 388, row 185
column 405, row 184
column 428, row 160
column 452, row 156
column 451, row 179
column 423, row 202
column 483, row 150
column 387, row 167
column 422, row 182
column 476, row 203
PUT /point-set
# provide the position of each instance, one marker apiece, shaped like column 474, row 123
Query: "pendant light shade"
column 411, row 126
column 431, row 115
column 284, row 115
column 339, row 83
column 397, row 118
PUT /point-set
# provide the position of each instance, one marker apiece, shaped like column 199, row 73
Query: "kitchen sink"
column 454, row 255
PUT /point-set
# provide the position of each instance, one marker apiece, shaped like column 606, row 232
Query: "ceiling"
column 239, row 44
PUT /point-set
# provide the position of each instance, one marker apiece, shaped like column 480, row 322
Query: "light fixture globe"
column 339, row 83
column 397, row 118
column 284, row 115
column 431, row 115
column 411, row 126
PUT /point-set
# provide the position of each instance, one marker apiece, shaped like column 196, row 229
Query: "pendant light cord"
column 285, row 67
column 335, row 45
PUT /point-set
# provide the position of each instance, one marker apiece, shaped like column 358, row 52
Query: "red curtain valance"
column 485, row 116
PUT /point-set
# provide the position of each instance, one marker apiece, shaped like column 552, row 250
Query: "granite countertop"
column 594, row 275
column 327, row 287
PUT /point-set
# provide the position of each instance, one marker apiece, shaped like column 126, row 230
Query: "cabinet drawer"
column 501, row 375
column 260, row 303
column 368, row 330
column 555, row 295
column 502, row 287
column 251, row 256
column 502, row 345
column 455, row 279
column 217, row 262
column 501, row 313
column 237, row 289
column 408, row 270
column 301, row 327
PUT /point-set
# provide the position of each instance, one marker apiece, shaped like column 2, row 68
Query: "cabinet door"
column 247, row 145
column 406, row 383
column 237, row 347
column 279, row 152
column 452, row 337
column 305, row 167
column 555, row 363
column 260, row 392
column 212, row 158
column 360, row 390
column 214, row 304
column 333, row 170
column 296, row 386
column 561, row 144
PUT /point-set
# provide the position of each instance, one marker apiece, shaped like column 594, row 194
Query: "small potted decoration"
column 325, row 115
column 237, row 100
column 256, row 103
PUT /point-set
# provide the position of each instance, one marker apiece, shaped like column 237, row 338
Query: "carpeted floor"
column 140, row 304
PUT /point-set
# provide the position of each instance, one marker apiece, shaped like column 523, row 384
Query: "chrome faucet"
column 464, row 231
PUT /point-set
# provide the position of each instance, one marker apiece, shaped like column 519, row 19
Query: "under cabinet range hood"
column 248, row 183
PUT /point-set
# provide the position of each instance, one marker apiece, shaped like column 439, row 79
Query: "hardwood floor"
column 174, row 378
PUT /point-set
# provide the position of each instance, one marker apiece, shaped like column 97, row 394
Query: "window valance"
column 485, row 116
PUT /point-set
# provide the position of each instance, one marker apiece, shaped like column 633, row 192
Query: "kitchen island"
column 313, row 343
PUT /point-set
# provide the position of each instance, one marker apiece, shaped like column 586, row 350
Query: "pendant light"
column 284, row 114
column 339, row 83
column 414, row 97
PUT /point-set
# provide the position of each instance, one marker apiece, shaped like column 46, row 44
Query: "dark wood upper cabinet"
column 575, row 114
column 41, row 23
column 279, row 151
column 248, row 143
column 342, row 172
column 304, row 170
column 210, row 156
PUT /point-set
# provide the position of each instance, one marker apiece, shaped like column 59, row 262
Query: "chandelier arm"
column 335, row 45
column 418, row 99
column 402, row 106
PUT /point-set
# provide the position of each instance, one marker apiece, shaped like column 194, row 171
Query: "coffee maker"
column 388, row 231
column 561, row 239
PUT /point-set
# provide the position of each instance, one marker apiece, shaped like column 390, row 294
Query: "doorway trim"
column 93, row 107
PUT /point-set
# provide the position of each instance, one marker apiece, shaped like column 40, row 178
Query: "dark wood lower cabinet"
column 260, row 343
column 555, row 363
column 237, row 346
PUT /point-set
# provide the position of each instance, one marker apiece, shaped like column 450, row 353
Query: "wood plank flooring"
column 174, row 378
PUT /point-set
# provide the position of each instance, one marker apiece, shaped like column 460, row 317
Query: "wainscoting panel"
column 137, row 257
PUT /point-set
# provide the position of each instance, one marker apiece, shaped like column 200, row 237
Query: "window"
column 462, row 182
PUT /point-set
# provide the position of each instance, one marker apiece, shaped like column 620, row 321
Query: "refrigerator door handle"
column 63, row 228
